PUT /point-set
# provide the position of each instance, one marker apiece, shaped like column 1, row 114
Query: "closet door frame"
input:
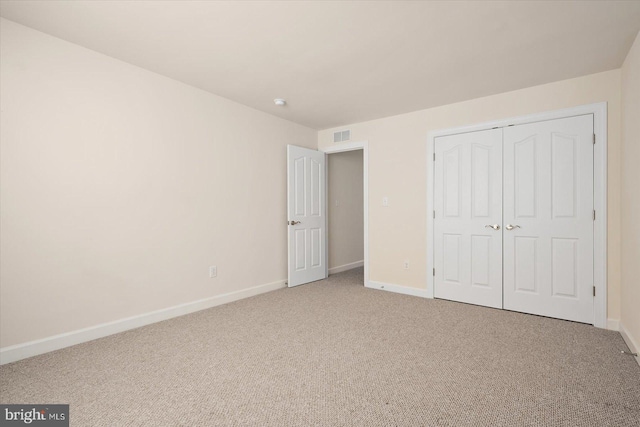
column 599, row 111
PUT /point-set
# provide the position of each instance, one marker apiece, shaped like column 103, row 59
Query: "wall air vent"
column 341, row 136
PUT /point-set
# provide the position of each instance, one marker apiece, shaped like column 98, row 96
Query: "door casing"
column 599, row 111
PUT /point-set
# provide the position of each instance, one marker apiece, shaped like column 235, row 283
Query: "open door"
column 306, row 223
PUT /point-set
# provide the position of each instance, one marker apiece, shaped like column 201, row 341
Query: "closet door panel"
column 468, row 218
column 548, row 218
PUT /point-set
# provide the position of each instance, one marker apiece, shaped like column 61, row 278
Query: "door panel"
column 299, row 246
column 564, row 269
column 305, row 208
column 451, row 247
column 548, row 194
column 317, row 167
column 299, row 187
column 468, row 197
column 480, row 256
column 525, row 260
column 524, row 177
column 481, row 158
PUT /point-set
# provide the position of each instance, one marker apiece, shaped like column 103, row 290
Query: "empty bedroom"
column 319, row 213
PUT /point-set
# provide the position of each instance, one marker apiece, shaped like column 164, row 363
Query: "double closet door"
column 513, row 224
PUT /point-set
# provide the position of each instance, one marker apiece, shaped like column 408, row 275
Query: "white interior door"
column 468, row 218
column 548, row 218
column 305, row 207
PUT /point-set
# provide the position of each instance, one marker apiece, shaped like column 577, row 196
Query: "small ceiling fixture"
column 279, row 102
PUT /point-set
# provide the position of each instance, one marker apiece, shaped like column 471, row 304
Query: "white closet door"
column 468, row 218
column 548, row 218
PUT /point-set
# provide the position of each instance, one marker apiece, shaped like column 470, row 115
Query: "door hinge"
column 434, row 271
column 594, row 214
column 594, row 291
column 594, row 139
column 434, row 214
column 434, row 157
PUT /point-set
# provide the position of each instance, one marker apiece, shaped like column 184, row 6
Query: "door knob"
column 511, row 227
column 494, row 226
column 294, row 222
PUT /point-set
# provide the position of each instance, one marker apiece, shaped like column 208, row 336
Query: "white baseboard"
column 633, row 346
column 33, row 348
column 613, row 324
column 397, row 289
column 345, row 267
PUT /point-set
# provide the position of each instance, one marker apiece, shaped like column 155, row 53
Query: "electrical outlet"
column 406, row 264
column 385, row 201
column 337, row 202
column 213, row 271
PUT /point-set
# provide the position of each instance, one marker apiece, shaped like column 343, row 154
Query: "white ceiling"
column 344, row 62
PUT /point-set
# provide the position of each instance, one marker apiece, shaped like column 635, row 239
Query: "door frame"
column 340, row 148
column 599, row 111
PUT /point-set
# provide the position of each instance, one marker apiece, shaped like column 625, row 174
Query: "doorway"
column 345, row 211
column 363, row 148
column 307, row 213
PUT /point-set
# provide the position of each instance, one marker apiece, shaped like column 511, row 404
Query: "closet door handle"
column 494, row 226
column 511, row 227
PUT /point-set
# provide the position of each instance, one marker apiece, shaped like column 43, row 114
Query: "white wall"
column 119, row 187
column 630, row 319
column 398, row 170
column 346, row 220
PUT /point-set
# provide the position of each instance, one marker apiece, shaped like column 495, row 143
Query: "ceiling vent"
column 341, row 136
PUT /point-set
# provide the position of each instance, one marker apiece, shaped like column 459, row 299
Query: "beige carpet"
column 333, row 353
